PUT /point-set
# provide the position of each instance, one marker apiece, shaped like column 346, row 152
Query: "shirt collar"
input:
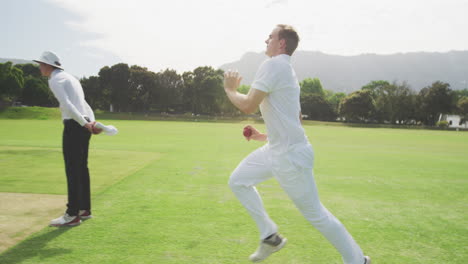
column 285, row 57
column 54, row 72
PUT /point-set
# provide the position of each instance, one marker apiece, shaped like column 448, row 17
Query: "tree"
column 375, row 87
column 380, row 91
column 11, row 83
column 203, row 90
column 30, row 69
column 188, row 99
column 36, row 89
column 334, row 99
column 357, row 106
column 142, row 89
column 96, row 95
column 313, row 100
column 243, row 89
column 404, row 104
column 171, row 87
column 115, row 80
column 213, row 92
column 317, row 108
column 37, row 93
column 434, row 100
column 459, row 94
column 462, row 107
column 311, row 86
column 393, row 102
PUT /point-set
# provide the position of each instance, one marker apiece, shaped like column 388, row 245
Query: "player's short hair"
column 289, row 34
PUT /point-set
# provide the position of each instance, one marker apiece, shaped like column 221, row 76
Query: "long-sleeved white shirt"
column 68, row 91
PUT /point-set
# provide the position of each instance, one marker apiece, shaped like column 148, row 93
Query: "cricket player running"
column 287, row 156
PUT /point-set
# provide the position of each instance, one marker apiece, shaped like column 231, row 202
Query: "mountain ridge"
column 15, row 61
column 349, row 73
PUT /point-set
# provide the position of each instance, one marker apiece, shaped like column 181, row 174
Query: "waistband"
column 68, row 120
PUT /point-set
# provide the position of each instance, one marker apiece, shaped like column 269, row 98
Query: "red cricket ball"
column 247, row 132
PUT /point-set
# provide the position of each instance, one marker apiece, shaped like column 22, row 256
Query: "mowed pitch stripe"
column 26, row 213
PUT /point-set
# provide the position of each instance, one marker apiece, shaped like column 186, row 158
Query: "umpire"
column 78, row 120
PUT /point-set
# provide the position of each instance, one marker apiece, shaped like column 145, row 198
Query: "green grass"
column 46, row 113
column 19, row 176
column 33, row 112
column 160, row 194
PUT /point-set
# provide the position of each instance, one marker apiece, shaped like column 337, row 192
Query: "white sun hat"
column 48, row 57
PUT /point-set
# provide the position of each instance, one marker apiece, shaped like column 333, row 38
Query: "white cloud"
column 185, row 34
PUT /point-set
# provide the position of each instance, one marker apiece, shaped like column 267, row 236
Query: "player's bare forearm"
column 246, row 103
column 240, row 101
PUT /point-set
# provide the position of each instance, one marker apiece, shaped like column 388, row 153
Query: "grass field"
column 160, row 194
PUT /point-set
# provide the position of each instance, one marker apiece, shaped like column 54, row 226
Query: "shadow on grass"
column 34, row 247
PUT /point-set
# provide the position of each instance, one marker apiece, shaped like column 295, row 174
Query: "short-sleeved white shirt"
column 68, row 91
column 281, row 107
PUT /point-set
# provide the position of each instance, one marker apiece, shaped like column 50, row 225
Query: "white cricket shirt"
column 68, row 91
column 281, row 107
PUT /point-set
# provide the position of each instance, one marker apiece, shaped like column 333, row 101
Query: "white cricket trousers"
column 294, row 173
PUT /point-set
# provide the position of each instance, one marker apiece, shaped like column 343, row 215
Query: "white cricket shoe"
column 66, row 220
column 367, row 260
column 267, row 247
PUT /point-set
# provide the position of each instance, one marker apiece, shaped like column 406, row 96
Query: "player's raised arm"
column 247, row 103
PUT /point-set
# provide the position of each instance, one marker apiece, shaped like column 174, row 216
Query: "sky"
column 182, row 34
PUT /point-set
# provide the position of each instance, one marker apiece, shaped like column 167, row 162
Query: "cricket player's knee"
column 233, row 182
column 317, row 219
column 314, row 212
column 322, row 219
column 237, row 181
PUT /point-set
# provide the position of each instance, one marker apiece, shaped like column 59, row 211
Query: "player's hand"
column 232, row 81
column 92, row 129
column 96, row 130
column 251, row 132
column 89, row 126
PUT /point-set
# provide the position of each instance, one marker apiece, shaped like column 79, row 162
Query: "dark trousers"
column 75, row 154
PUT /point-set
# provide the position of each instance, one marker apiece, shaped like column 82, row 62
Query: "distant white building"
column 453, row 121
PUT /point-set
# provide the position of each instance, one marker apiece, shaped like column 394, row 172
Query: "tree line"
column 23, row 82
column 384, row 102
column 124, row 88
